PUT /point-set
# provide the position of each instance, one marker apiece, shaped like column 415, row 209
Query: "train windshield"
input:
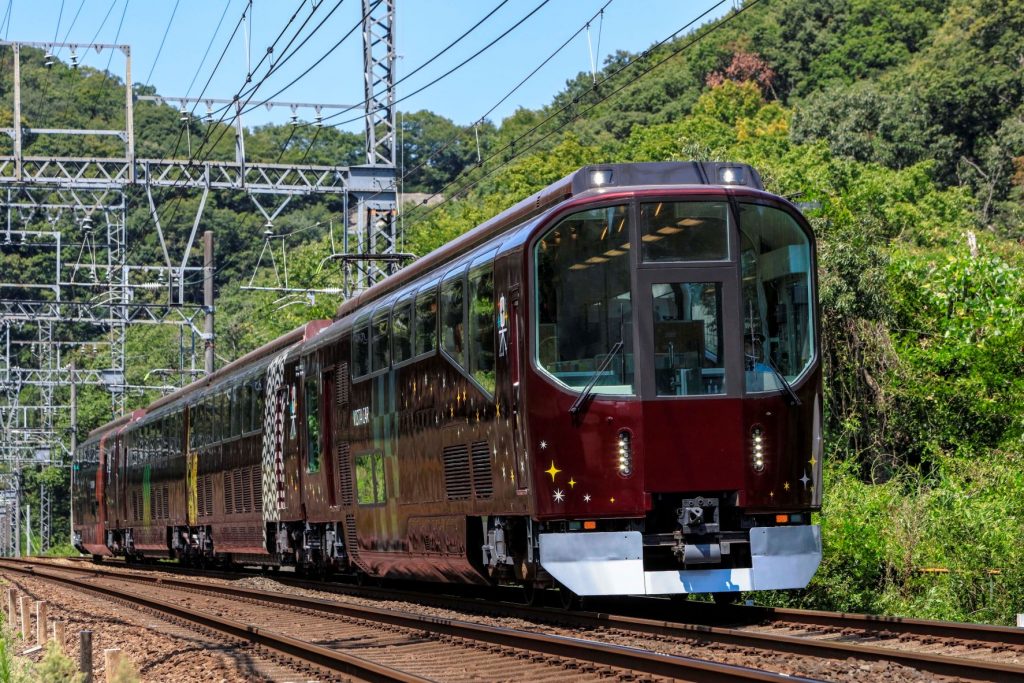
column 775, row 260
column 584, row 302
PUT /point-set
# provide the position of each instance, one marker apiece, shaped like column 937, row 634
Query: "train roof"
column 595, row 178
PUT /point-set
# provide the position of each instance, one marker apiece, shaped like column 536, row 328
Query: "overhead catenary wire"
column 104, row 22
column 205, row 143
column 428, row 61
column 445, row 74
column 60, row 16
column 647, row 53
column 163, row 40
column 74, row 20
column 117, row 37
column 6, row 23
column 209, row 46
column 483, row 117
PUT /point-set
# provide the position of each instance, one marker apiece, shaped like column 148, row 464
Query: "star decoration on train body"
column 559, row 495
column 805, row 479
column 572, row 483
column 785, row 486
column 586, row 497
column 552, row 471
column 543, row 445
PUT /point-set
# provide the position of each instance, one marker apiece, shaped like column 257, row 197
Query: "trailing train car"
column 613, row 387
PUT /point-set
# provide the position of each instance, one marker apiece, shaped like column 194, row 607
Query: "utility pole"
column 208, row 298
column 17, row 513
column 74, row 447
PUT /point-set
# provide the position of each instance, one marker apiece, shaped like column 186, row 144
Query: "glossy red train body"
column 613, row 387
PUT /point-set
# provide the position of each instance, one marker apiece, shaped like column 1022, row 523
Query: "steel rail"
column 975, row 669
column 292, row 647
column 629, row 658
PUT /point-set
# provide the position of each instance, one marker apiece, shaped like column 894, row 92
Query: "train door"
column 102, row 480
column 313, row 430
column 516, row 349
column 327, row 404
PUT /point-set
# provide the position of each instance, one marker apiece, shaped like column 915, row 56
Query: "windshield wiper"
column 794, row 399
column 578, row 404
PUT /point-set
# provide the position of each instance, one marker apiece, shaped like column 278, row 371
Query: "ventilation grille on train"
column 483, row 485
column 345, row 475
column 204, row 491
column 342, row 382
column 457, row 482
column 241, row 489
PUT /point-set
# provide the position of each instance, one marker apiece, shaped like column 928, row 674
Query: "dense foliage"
column 900, row 124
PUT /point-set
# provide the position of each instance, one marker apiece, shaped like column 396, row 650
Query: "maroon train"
column 613, row 387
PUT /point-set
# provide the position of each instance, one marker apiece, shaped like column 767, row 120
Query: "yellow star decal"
column 813, row 461
column 771, row 494
column 497, row 410
column 785, row 485
column 552, row 471
column 572, row 482
column 612, row 500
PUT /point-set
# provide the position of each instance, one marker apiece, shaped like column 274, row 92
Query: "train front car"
column 673, row 387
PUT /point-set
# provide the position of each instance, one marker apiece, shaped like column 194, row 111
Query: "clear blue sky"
column 423, row 27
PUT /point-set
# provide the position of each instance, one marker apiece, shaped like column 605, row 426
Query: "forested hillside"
column 899, row 124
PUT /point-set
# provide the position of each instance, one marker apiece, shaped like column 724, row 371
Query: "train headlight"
column 624, row 454
column 757, row 449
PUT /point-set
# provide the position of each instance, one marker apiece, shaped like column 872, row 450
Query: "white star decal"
column 543, row 445
column 805, row 479
column 586, row 497
column 559, row 495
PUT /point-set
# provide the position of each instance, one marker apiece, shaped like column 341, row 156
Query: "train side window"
column 312, row 406
column 380, row 347
column 481, row 326
column 426, row 320
column 257, row 405
column 224, row 415
column 401, row 331
column 235, row 409
column 453, row 318
column 370, row 488
column 361, row 347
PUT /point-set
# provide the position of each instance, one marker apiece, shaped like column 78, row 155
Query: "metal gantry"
column 70, row 213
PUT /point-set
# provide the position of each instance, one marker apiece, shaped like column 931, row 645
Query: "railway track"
column 822, row 635
column 393, row 645
column 991, row 653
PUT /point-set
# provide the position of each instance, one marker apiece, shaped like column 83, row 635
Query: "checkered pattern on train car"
column 273, row 444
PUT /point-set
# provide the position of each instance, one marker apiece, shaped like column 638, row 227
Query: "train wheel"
column 531, row 594
column 97, row 559
column 569, row 600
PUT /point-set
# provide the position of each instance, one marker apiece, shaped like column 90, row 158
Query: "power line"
column 206, row 137
column 628, row 83
column 6, row 23
column 206, row 54
column 117, row 36
column 73, row 21
column 162, row 41
column 483, row 118
column 447, row 73
column 60, row 15
column 104, row 22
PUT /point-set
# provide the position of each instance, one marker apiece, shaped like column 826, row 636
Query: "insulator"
column 319, row 121
column 183, row 115
column 48, row 60
column 74, row 60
